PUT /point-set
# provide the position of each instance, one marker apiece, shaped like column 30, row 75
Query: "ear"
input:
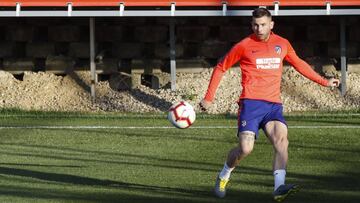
column 272, row 24
column 252, row 22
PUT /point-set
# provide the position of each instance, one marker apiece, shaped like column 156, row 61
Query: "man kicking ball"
column 260, row 56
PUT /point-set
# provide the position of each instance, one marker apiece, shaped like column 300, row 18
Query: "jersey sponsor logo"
column 268, row 63
column 278, row 49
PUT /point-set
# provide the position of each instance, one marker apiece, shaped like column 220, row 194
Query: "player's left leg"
column 277, row 132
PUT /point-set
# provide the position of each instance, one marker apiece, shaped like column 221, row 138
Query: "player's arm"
column 304, row 68
column 229, row 60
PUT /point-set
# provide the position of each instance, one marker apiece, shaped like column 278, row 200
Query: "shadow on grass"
column 37, row 194
column 42, row 165
column 326, row 121
column 342, row 187
column 319, row 147
column 165, row 163
column 79, row 180
column 125, row 196
column 233, row 196
column 97, row 156
column 317, row 189
column 124, row 192
column 334, row 188
column 179, row 135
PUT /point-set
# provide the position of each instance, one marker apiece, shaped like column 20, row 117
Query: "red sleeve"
column 226, row 63
column 303, row 68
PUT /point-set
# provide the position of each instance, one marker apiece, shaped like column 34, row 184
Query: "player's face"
column 262, row 27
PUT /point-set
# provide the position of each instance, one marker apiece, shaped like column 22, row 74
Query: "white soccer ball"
column 181, row 114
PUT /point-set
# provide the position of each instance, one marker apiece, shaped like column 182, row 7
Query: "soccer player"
column 260, row 56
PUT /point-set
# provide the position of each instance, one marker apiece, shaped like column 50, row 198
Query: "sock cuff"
column 280, row 172
column 227, row 167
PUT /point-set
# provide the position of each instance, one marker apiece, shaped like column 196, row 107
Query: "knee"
column 281, row 143
column 245, row 149
column 240, row 152
column 246, row 142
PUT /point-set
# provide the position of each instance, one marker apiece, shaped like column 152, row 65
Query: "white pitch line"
column 167, row 127
column 331, row 126
column 159, row 115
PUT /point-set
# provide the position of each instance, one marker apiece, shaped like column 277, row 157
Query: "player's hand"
column 332, row 82
column 204, row 105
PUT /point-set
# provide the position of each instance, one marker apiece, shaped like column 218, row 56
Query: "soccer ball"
column 181, row 114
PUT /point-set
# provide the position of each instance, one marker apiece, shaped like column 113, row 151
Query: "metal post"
column 328, row 8
column 18, row 9
column 224, row 9
column 92, row 57
column 343, row 56
column 69, row 9
column 276, row 8
column 172, row 54
column 122, row 8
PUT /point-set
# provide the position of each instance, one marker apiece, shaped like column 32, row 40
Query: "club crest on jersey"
column 278, row 49
column 243, row 123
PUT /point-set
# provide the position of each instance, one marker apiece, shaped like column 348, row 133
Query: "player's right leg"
column 249, row 118
column 246, row 145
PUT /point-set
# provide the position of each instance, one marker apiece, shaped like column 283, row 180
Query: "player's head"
column 262, row 23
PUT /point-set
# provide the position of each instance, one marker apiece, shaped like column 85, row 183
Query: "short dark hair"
column 261, row 12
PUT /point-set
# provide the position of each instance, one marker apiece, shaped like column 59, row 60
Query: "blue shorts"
column 254, row 114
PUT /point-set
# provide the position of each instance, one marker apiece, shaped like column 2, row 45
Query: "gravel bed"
column 49, row 92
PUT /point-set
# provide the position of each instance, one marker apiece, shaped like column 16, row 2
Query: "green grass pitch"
column 60, row 157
